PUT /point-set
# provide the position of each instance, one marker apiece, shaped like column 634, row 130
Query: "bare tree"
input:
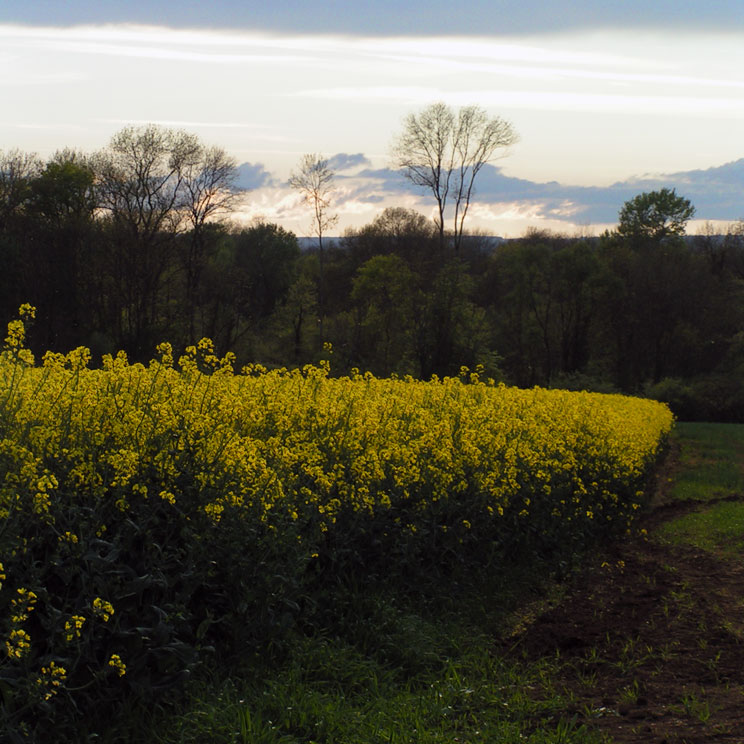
column 17, row 169
column 314, row 180
column 443, row 152
column 207, row 193
column 140, row 183
column 140, row 179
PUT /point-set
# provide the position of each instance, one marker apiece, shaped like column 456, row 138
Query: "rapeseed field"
column 154, row 514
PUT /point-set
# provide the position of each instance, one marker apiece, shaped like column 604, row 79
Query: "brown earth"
column 650, row 640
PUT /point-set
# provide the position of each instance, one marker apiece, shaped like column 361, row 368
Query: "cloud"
column 343, row 161
column 702, row 106
column 502, row 204
column 253, row 176
column 717, row 193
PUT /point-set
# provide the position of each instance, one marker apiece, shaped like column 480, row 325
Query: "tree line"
column 133, row 245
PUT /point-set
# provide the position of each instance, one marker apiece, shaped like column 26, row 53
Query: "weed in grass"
column 588, row 679
column 633, row 654
column 667, row 651
column 696, row 708
column 682, row 599
column 629, row 695
column 568, row 731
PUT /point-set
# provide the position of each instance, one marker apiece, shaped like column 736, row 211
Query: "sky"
column 608, row 99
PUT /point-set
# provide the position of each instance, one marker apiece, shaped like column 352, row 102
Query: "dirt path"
column 651, row 641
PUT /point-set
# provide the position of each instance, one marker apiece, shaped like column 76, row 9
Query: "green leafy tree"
column 658, row 285
column 541, row 293
column 295, row 320
column 518, row 288
column 402, row 232
column 61, row 211
column 655, row 215
column 651, row 290
column 265, row 264
column 382, row 297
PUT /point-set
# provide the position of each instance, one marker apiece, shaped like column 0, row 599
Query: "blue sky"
column 608, row 98
column 386, row 17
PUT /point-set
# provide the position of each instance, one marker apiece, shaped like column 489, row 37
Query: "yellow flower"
column 102, row 609
column 168, row 496
column 214, row 511
column 18, row 644
column 51, row 679
column 27, row 311
column 116, row 663
column 73, row 627
column 23, row 603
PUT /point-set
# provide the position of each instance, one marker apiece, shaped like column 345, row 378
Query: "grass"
column 711, row 461
column 387, row 670
column 711, row 469
column 718, row 528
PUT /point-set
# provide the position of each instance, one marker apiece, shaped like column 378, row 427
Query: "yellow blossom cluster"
column 73, row 627
column 131, row 488
column 103, row 609
column 22, row 605
column 18, row 643
column 300, row 452
column 304, row 445
column 51, row 679
column 117, row 664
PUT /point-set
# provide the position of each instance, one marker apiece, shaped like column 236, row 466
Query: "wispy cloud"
column 155, row 43
column 589, row 107
column 702, row 106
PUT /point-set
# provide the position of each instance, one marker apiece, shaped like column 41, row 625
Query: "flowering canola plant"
column 276, row 465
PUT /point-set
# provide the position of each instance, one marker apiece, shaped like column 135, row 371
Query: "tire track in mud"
column 650, row 637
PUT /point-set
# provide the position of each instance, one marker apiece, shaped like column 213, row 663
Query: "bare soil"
column 650, row 639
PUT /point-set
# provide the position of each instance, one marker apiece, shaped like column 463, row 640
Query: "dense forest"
column 134, row 245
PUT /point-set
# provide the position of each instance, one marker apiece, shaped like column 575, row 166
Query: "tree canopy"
column 655, row 215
